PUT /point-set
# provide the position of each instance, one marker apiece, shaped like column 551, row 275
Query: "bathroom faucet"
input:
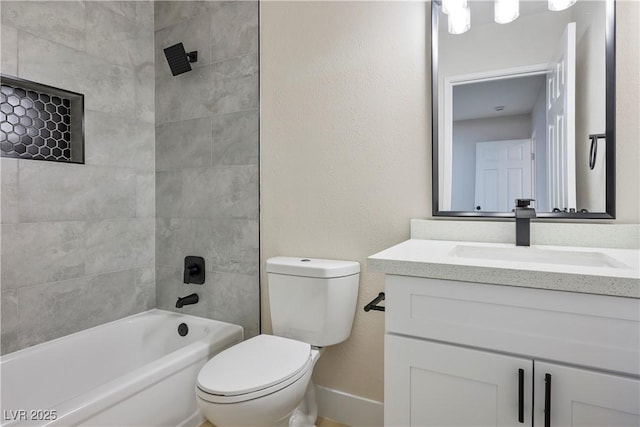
column 524, row 213
column 189, row 299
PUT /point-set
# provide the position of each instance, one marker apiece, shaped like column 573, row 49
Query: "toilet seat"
column 256, row 367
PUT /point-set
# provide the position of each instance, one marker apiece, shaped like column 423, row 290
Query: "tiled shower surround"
column 81, row 244
column 207, row 159
column 78, row 240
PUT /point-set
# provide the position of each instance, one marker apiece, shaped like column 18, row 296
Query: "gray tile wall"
column 78, row 241
column 207, row 159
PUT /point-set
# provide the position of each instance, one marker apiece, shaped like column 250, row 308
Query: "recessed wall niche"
column 40, row 122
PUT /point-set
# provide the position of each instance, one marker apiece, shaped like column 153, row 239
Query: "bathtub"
column 136, row 371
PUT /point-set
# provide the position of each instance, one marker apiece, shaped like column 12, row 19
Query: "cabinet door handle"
column 521, row 395
column 547, row 400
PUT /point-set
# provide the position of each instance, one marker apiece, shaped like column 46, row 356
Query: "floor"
column 321, row 422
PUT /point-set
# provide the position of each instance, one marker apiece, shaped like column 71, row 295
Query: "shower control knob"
column 194, row 270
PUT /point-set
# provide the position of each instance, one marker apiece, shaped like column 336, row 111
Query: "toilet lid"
column 254, row 364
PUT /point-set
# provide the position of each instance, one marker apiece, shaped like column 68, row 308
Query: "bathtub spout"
column 189, row 299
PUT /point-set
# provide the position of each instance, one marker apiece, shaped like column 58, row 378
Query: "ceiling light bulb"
column 453, row 5
column 459, row 21
column 506, row 11
column 556, row 5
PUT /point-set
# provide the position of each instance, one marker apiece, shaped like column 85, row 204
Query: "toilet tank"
column 312, row 300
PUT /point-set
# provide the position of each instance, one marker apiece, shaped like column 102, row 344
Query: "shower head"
column 179, row 60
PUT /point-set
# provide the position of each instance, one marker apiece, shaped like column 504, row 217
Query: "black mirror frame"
column 610, row 111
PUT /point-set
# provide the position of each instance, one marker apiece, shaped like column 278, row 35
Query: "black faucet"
column 189, row 299
column 524, row 213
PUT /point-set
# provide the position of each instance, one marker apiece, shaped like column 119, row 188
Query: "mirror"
column 525, row 110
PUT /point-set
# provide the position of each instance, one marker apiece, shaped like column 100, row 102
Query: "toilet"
column 266, row 380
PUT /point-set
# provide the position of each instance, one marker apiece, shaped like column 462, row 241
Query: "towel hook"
column 593, row 151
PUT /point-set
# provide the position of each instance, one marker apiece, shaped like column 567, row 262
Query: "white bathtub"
column 136, row 371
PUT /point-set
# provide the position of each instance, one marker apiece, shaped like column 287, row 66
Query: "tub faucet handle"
column 194, row 270
column 190, row 270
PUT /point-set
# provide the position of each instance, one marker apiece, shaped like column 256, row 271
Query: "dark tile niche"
column 40, row 122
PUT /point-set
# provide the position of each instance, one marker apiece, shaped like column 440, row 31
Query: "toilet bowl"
column 259, row 382
column 266, row 380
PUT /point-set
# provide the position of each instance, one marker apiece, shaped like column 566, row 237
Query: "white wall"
column 345, row 159
column 590, row 103
column 344, row 150
column 628, row 112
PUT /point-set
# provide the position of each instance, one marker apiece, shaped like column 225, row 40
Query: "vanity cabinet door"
column 433, row 384
column 580, row 397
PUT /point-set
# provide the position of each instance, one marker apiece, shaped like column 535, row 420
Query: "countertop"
column 441, row 259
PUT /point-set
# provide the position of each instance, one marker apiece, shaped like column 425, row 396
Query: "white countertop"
column 506, row 264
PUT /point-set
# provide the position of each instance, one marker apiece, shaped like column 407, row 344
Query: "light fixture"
column 506, row 11
column 453, row 5
column 459, row 20
column 557, row 5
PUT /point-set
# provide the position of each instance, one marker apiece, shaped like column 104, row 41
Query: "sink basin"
column 537, row 256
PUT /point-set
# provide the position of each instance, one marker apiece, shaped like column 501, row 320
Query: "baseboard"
column 349, row 409
column 195, row 420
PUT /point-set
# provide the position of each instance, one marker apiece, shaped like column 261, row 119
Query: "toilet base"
column 306, row 413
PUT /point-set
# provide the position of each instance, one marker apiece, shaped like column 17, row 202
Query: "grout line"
column 133, row 269
column 80, row 220
column 210, row 116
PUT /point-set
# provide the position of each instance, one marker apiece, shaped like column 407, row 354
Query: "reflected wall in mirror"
column 525, row 110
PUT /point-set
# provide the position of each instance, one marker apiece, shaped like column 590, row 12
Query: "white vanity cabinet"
column 582, row 397
column 433, row 384
column 469, row 354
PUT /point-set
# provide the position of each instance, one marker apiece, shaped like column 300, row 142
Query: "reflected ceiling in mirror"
column 525, row 110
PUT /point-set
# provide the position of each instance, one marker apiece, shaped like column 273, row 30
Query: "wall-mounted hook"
column 593, row 150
